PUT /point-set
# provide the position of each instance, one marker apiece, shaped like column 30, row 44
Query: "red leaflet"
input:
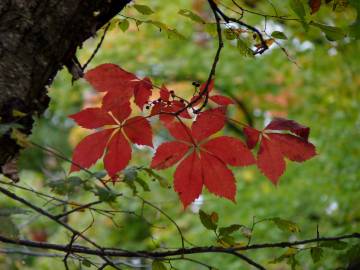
column 92, row 118
column 218, row 99
column 109, row 77
column 90, row 149
column 275, row 146
column 252, row 136
column 239, row 154
column 142, row 92
column 118, row 154
column 207, row 161
column 270, row 160
column 292, row 126
column 120, row 86
column 314, row 5
column 118, row 150
column 217, row 177
column 188, row 179
column 138, row 130
column 208, row 123
column 168, row 154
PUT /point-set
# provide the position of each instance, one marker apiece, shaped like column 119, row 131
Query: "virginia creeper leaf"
column 270, row 160
column 217, row 177
column 292, row 126
column 230, row 150
column 118, row 154
column 138, row 130
column 168, row 154
column 108, row 77
column 188, row 179
column 93, row 118
column 208, row 123
column 142, row 92
column 90, row 149
column 252, row 136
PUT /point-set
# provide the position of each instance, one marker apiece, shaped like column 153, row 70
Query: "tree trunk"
column 37, row 38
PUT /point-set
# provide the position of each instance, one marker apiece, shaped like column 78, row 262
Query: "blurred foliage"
column 308, row 79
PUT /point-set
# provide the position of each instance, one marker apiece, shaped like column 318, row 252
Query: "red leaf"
column 176, row 106
column 210, row 86
column 292, row 126
column 292, row 147
column 90, row 149
column 122, row 112
column 142, row 92
column 188, row 179
column 180, row 131
column 222, row 100
column 208, row 123
column 108, row 77
column 217, row 177
column 314, row 5
column 92, row 118
column 118, row 154
column 164, row 93
column 115, row 99
column 270, row 160
column 232, row 151
column 168, row 154
column 252, row 136
column 138, row 130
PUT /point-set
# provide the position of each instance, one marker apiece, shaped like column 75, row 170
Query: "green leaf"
column 210, row 28
column 316, row 254
column 160, row 25
column 286, row 225
column 290, row 252
column 209, row 221
column 229, row 230
column 162, row 181
column 336, row 245
column 8, row 227
column 230, row 34
column 278, row 35
column 124, row 25
column 191, row 15
column 142, row 183
column 130, row 174
column 143, row 9
column 332, row 33
column 8, row 211
column 353, row 253
column 244, row 48
column 105, row 195
column 86, row 263
column 298, row 8
column 66, row 186
column 227, row 239
column 173, row 33
column 158, row 265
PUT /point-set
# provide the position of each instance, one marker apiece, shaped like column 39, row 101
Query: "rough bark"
column 37, row 38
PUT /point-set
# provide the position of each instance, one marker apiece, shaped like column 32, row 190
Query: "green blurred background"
column 316, row 84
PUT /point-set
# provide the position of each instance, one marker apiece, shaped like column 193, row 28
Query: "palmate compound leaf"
column 202, row 161
column 119, row 85
column 276, row 146
column 111, row 140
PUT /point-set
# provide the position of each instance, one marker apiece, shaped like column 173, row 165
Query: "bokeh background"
column 316, row 82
